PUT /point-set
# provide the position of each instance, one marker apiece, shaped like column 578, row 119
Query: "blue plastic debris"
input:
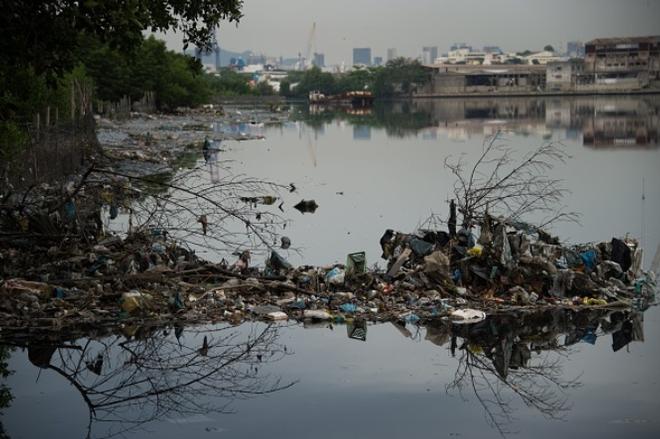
column 561, row 263
column 348, row 307
column 97, row 265
column 178, row 301
column 420, row 247
column 589, row 259
column 590, row 337
column 412, row 318
column 298, row 304
column 60, row 293
column 70, row 210
column 335, row 276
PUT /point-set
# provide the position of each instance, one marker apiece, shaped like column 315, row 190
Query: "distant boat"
column 356, row 98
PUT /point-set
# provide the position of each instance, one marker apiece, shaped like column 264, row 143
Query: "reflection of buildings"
column 625, row 124
column 616, row 121
column 361, row 132
column 621, row 120
column 462, row 118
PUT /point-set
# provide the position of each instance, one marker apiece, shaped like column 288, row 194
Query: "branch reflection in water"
column 147, row 375
column 521, row 355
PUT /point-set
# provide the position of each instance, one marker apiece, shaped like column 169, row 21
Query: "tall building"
column 391, row 54
column 318, row 60
column 575, row 49
column 429, row 54
column 378, row 60
column 362, row 55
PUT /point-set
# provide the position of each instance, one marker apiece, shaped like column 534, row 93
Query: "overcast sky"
column 282, row 27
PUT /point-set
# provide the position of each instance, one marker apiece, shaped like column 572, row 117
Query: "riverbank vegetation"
column 398, row 77
column 55, row 57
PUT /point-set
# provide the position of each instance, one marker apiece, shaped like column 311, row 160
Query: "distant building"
column 575, row 49
column 457, row 46
column 318, row 60
column 492, row 49
column 253, row 58
column 466, row 79
column 209, row 58
column 362, row 55
column 391, row 54
column 237, row 63
column 622, row 63
column 542, row 57
column 465, row 56
column 429, row 54
column 563, row 75
column 378, row 60
column 613, row 65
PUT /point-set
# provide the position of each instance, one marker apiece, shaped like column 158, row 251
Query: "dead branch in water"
column 502, row 184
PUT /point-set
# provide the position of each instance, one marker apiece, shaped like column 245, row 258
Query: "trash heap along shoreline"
column 59, row 269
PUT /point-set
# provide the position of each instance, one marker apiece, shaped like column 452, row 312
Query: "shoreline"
column 538, row 94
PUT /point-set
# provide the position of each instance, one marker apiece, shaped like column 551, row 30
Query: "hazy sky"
column 282, row 27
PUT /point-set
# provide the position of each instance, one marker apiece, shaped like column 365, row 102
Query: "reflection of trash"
column 95, row 366
column 204, row 222
column 267, row 200
column 357, row 329
column 204, row 350
column 467, row 315
column 306, row 206
column 317, row 314
column 277, row 315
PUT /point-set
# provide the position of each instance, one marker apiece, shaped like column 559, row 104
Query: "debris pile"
column 148, row 277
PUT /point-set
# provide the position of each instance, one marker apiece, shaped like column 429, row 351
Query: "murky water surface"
column 552, row 374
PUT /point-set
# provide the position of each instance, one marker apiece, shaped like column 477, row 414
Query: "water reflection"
column 616, row 121
column 496, row 361
column 147, row 374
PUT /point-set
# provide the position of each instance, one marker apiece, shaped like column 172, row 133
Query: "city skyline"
column 513, row 25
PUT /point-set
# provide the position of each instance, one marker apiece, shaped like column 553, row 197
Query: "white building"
column 457, row 56
column 543, row 57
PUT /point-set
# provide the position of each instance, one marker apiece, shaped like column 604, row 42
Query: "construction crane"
column 306, row 63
